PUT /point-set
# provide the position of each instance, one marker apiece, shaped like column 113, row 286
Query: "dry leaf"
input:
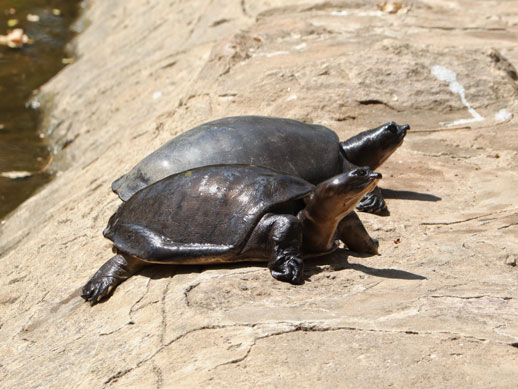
column 15, row 38
column 392, row 7
column 33, row 18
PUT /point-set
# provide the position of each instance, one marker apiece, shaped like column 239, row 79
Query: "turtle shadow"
column 157, row 271
column 384, row 212
column 338, row 260
column 408, row 195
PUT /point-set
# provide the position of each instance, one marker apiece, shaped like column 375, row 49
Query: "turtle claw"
column 112, row 273
column 98, row 288
column 291, row 270
column 372, row 203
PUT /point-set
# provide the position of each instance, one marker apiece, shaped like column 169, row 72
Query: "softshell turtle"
column 310, row 151
column 228, row 213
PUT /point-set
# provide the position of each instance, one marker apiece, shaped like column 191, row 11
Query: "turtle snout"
column 404, row 128
column 375, row 176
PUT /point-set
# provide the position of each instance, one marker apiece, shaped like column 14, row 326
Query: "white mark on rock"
column 15, row 175
column 302, row 46
column 340, row 13
column 276, row 53
column 449, row 76
column 157, row 95
column 503, row 115
column 292, row 97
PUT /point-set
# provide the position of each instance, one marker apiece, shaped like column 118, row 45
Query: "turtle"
column 230, row 213
column 310, row 151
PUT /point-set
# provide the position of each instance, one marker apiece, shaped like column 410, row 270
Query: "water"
column 24, row 156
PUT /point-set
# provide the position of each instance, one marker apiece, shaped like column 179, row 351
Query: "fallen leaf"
column 12, row 22
column 56, row 12
column 392, row 7
column 15, row 38
column 33, row 18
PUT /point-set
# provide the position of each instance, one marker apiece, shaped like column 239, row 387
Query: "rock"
column 510, row 260
column 436, row 309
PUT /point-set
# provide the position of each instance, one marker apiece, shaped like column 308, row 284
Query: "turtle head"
column 372, row 147
column 329, row 202
column 339, row 195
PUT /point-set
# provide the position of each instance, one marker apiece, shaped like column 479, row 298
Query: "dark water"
column 22, row 72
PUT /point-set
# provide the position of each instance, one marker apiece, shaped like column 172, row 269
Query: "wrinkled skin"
column 231, row 213
column 309, row 151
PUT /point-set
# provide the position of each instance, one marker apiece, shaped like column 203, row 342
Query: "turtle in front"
column 232, row 213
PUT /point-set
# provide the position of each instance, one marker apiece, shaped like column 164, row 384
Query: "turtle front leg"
column 372, row 202
column 352, row 232
column 286, row 263
column 116, row 270
column 280, row 236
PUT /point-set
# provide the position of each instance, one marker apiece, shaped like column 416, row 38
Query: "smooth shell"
column 305, row 150
column 202, row 212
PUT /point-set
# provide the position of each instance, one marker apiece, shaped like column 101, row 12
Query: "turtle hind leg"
column 352, row 232
column 117, row 269
column 372, row 202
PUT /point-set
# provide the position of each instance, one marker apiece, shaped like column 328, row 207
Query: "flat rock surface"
column 437, row 308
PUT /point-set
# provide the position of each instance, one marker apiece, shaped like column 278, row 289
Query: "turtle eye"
column 392, row 127
column 361, row 172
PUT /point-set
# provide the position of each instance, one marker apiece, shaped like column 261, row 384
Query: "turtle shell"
column 306, row 150
column 205, row 212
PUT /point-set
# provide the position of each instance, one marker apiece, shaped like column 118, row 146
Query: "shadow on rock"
column 408, row 195
column 386, row 273
column 338, row 261
column 156, row 272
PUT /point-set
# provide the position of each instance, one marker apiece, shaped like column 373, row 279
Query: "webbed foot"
column 291, row 270
column 352, row 232
column 372, row 202
column 112, row 273
column 370, row 246
column 98, row 288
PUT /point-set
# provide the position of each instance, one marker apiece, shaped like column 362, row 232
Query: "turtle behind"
column 285, row 145
column 310, row 151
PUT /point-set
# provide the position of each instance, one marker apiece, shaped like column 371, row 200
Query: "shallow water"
column 24, row 156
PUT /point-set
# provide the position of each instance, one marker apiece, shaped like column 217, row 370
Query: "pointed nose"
column 375, row 176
